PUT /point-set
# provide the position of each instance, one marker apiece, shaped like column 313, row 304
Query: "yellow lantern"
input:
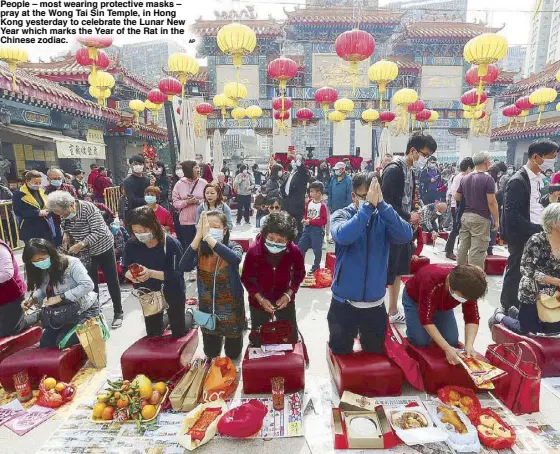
column 558, row 107
column 405, row 96
column 541, row 97
column 343, row 106
column 137, row 107
column 484, row 50
column 370, row 115
column 102, row 80
column 434, row 116
column 236, row 40
column 336, row 117
column 222, row 102
column 381, row 73
column 558, row 76
column 13, row 56
column 253, row 112
column 101, row 95
column 238, row 114
column 235, row 91
column 183, row 66
column 153, row 108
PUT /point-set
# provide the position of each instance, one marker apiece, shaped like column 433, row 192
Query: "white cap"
column 340, row 165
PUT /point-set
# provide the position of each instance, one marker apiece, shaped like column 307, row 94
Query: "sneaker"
column 492, row 320
column 451, row 257
column 238, row 223
column 192, row 276
column 117, row 321
column 513, row 312
column 397, row 318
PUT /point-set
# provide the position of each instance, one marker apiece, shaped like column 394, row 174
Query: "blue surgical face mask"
column 43, row 264
column 56, row 183
column 217, row 234
column 71, row 215
column 150, row 198
column 458, row 298
column 274, row 248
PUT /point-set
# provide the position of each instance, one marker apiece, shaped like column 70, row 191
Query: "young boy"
column 314, row 223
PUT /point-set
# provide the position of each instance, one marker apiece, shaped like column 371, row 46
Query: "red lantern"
column 156, row 96
column 472, row 78
column 511, row 111
column 281, row 115
column 416, row 107
column 304, row 115
column 423, row 115
column 94, row 42
column 354, row 46
column 325, row 96
column 524, row 104
column 204, row 109
column 281, row 103
column 282, row 69
column 386, row 117
column 170, row 86
column 100, row 62
column 472, row 98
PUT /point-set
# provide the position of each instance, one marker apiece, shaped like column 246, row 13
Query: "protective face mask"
column 43, row 264
column 138, row 169
column 361, row 203
column 150, row 198
column 217, row 234
column 144, row 237
column 438, row 213
column 298, row 163
column 547, row 164
column 71, row 215
column 274, row 248
column 179, row 173
column 421, row 162
column 158, row 171
column 35, row 187
column 56, row 183
column 510, row 172
column 458, row 298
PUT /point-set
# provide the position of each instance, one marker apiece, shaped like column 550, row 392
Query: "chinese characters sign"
column 79, row 150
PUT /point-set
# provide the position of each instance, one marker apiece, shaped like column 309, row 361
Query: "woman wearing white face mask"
column 217, row 260
column 272, row 273
column 429, row 299
column 158, row 255
column 30, row 206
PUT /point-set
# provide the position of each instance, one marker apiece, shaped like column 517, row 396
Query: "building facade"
column 540, row 37
column 433, row 10
column 514, row 60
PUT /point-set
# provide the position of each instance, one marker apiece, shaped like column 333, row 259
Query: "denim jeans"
column 243, row 207
column 443, row 320
column 312, row 237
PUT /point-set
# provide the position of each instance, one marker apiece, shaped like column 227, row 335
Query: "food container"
column 277, row 393
column 450, row 419
column 448, row 395
column 23, row 386
column 414, row 426
column 493, row 437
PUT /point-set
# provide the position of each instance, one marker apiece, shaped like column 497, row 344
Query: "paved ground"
column 312, row 308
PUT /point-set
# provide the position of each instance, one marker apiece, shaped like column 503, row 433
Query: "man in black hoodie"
column 399, row 190
column 521, row 213
column 136, row 183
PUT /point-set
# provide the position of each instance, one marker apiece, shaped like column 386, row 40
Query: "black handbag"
column 64, row 313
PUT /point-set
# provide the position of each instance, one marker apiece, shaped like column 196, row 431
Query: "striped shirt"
column 88, row 225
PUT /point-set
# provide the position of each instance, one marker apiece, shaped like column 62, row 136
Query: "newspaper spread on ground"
column 552, row 384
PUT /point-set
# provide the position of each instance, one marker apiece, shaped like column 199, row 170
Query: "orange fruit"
column 98, row 409
column 148, row 412
column 123, row 402
column 108, row 413
column 160, row 387
column 117, row 395
column 50, row 383
column 60, row 387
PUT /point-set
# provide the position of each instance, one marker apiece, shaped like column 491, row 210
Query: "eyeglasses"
column 361, row 196
column 274, row 208
column 424, row 155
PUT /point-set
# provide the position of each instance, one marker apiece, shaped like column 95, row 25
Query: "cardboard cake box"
column 359, row 423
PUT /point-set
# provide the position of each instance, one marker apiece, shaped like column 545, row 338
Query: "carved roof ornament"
column 247, row 13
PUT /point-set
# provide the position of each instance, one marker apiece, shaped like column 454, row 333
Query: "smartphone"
column 135, row 269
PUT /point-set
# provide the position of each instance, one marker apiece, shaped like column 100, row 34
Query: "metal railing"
column 9, row 230
column 112, row 196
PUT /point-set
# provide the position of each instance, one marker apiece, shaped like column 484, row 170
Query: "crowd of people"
column 167, row 226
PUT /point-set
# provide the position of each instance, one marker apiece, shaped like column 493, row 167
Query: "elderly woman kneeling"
column 86, row 233
column 540, row 279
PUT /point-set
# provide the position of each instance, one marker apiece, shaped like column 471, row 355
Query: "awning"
column 66, row 147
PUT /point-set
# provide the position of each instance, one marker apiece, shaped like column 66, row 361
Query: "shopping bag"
column 220, row 381
column 179, row 392
column 519, row 390
column 194, row 392
column 323, row 278
column 276, row 332
column 395, row 348
column 93, row 335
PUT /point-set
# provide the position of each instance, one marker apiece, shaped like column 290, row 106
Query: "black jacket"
column 515, row 221
column 294, row 202
column 392, row 186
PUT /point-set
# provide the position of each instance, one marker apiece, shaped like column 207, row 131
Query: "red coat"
column 99, row 185
column 92, row 176
column 259, row 276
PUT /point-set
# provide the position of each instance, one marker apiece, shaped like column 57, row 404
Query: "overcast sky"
column 515, row 14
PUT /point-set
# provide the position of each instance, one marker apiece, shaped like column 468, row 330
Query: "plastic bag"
column 494, row 442
column 243, row 421
column 323, row 278
column 444, row 396
column 220, row 381
column 188, row 441
column 54, row 399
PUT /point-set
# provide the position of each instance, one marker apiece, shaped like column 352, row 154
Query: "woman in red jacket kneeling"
column 429, row 299
column 272, row 273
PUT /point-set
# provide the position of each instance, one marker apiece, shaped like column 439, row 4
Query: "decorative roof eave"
column 435, row 32
column 505, row 78
column 546, row 77
column 527, row 132
column 141, row 130
column 321, row 16
column 31, row 89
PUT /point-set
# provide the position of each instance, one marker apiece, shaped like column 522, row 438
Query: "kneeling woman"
column 429, row 299
column 58, row 280
column 272, row 273
column 159, row 255
column 219, row 287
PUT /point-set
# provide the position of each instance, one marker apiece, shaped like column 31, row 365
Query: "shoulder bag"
column 153, row 302
column 548, row 307
column 64, row 313
column 204, row 319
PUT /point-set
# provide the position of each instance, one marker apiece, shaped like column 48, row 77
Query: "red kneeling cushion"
column 443, row 235
column 436, row 371
column 546, row 350
column 62, row 365
column 367, row 374
column 330, row 262
column 159, row 358
column 258, row 372
column 244, row 243
column 495, row 265
column 415, row 265
column 10, row 345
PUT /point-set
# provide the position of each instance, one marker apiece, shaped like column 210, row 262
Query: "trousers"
column 312, row 237
column 474, row 237
column 213, row 345
column 108, row 264
column 510, row 286
column 243, row 207
column 450, row 245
